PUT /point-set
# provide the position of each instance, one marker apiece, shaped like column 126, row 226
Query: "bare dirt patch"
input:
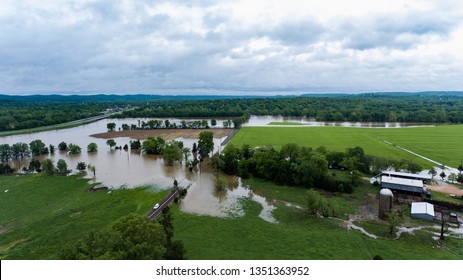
column 167, row 134
column 446, row 188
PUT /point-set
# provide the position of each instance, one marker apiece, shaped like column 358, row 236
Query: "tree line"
column 353, row 108
column 167, row 124
column 296, row 165
column 29, row 112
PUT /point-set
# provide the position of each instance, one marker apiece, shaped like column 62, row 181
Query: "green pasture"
column 440, row 143
column 39, row 215
column 300, row 236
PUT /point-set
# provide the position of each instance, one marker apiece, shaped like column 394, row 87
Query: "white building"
column 423, row 210
column 401, row 184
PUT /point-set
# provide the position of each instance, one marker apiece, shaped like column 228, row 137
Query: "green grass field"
column 299, row 236
column 441, row 143
column 42, row 215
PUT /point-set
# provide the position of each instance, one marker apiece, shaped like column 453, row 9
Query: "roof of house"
column 422, row 208
column 401, row 181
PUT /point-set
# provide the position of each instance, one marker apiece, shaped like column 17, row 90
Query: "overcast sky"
column 230, row 47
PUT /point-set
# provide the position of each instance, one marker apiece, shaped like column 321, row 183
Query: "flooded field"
column 131, row 168
column 267, row 120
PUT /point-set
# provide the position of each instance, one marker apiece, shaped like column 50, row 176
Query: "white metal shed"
column 423, row 210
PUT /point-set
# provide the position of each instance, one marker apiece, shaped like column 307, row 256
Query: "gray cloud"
column 199, row 46
column 401, row 31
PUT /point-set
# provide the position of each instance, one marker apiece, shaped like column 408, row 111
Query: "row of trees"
column 48, row 167
column 296, row 165
column 166, row 124
column 36, row 148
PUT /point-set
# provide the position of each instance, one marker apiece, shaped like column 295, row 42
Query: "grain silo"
column 385, row 202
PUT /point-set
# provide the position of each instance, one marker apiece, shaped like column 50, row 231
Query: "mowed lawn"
column 439, row 143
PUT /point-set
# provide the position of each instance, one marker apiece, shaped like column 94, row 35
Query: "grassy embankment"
column 440, row 143
column 42, row 214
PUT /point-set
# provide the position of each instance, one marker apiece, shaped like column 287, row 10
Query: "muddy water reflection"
column 203, row 199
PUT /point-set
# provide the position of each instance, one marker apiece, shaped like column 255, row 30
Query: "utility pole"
column 442, row 225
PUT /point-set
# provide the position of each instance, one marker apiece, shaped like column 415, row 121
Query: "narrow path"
column 418, row 155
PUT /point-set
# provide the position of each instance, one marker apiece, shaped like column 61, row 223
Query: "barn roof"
column 401, row 181
column 410, row 175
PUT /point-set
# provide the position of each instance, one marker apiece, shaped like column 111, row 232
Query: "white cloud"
column 224, row 46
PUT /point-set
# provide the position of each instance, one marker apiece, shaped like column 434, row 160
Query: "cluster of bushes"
column 133, row 237
column 319, row 205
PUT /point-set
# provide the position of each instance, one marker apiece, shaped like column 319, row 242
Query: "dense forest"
column 25, row 114
column 20, row 112
column 342, row 108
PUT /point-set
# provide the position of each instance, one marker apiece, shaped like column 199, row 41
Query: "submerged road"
column 154, row 213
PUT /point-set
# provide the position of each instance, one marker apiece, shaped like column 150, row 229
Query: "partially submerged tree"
column 442, row 175
column 111, row 143
column 206, row 143
column 154, row 146
column 92, row 168
column 432, row 172
column 74, row 149
column 38, row 148
column 62, row 146
column 48, row 167
column 172, row 153
column 111, row 126
column 92, row 147
column 62, row 166
column 81, row 166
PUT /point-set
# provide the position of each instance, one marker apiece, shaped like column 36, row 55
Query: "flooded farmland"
column 131, row 168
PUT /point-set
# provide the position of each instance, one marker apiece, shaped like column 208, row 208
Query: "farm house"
column 423, row 211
